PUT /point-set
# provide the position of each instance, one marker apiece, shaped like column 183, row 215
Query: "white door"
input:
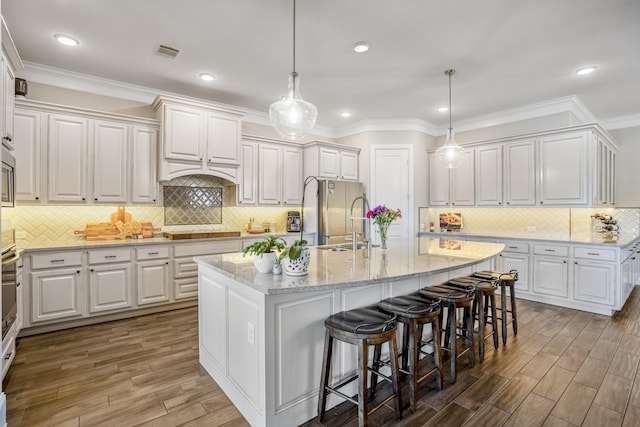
column 392, row 185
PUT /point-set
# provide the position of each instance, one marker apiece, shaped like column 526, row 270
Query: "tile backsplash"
column 554, row 223
column 43, row 225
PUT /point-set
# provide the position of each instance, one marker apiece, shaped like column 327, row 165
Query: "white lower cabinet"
column 110, row 287
column 594, row 281
column 153, row 282
column 56, row 294
column 508, row 261
column 550, row 276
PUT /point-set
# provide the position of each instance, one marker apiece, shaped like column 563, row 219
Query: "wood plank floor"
column 565, row 368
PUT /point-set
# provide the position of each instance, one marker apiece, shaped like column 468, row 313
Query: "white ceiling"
column 506, row 53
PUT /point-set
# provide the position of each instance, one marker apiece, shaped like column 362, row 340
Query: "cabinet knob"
column 499, row 203
column 154, row 200
column 83, row 199
column 96, row 199
column 508, row 202
column 541, row 202
column 78, row 271
column 167, row 263
column 564, row 262
column 37, row 198
column 284, row 202
column 91, row 270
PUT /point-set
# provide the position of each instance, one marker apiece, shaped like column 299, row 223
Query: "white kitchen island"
column 261, row 335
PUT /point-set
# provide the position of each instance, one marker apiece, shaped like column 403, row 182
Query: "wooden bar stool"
column 361, row 327
column 414, row 311
column 505, row 280
column 484, row 307
column 452, row 299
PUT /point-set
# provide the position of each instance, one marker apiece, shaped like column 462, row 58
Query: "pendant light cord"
column 449, row 73
column 294, row 37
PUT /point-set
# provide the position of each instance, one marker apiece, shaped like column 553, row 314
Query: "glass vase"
column 384, row 228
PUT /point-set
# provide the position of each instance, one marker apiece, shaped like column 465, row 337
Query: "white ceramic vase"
column 297, row 267
column 264, row 262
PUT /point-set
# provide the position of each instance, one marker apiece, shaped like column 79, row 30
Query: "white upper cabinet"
column 144, row 182
column 452, row 187
column 198, row 138
column 271, row 173
column 573, row 166
column 68, row 138
column 84, row 156
column 563, row 169
column 489, row 175
column 183, row 133
column 292, row 179
column 331, row 161
column 519, row 173
column 9, row 62
column 28, row 153
column 110, row 162
column 248, row 187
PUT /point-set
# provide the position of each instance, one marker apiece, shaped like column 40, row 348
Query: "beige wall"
column 420, row 142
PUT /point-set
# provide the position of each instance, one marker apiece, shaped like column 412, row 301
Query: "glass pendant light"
column 292, row 116
column 450, row 154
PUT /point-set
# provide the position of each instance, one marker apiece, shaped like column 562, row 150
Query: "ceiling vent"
column 168, row 51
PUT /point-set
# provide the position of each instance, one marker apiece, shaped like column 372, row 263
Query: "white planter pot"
column 297, row 267
column 264, row 262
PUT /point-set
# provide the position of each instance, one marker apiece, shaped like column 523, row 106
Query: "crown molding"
column 628, row 121
column 100, row 86
column 569, row 104
column 390, row 125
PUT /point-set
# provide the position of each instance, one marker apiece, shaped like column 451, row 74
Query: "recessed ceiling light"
column 442, row 109
column 361, row 47
column 66, row 40
column 583, row 71
column 345, row 114
column 207, row 77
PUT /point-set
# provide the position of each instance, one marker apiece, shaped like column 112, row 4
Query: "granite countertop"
column 405, row 259
column 81, row 243
column 582, row 238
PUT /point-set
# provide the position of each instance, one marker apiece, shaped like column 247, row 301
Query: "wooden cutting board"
column 110, row 230
column 183, row 235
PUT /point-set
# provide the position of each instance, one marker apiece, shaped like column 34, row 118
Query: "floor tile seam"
column 586, row 412
column 627, row 399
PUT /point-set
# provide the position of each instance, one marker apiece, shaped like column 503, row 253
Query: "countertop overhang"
column 405, row 259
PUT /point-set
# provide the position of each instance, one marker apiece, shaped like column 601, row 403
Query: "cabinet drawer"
column 210, row 248
column 551, row 250
column 56, row 259
column 521, row 248
column 155, row 252
column 109, row 255
column 599, row 254
column 184, row 267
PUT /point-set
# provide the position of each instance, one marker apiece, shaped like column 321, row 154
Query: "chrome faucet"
column 365, row 228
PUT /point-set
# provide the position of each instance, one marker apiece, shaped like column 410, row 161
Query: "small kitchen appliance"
column 293, row 221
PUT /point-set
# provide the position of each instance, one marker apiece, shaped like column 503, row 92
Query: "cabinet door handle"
column 549, row 250
column 152, row 253
column 8, row 356
column 512, row 247
column 110, row 256
column 57, row 261
column 593, row 253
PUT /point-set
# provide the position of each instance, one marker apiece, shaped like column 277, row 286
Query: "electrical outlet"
column 251, row 334
column 531, row 228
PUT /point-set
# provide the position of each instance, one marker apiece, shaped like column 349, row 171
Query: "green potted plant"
column 264, row 252
column 295, row 258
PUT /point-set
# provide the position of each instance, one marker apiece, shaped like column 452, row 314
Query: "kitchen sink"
column 342, row 247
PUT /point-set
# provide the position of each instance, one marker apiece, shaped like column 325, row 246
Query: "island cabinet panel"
column 294, row 381
column 404, row 287
column 244, row 341
column 213, row 338
column 550, row 276
column 516, row 261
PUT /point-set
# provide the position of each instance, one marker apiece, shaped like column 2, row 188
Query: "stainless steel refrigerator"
column 334, row 211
